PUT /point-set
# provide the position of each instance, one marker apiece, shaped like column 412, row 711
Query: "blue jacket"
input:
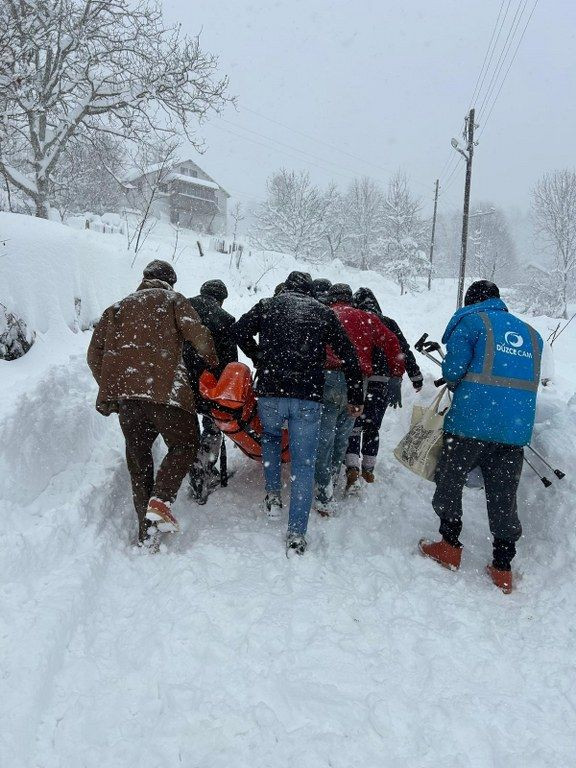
column 492, row 365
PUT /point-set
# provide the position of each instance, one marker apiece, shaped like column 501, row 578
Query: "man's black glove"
column 395, row 392
column 417, row 382
column 431, row 346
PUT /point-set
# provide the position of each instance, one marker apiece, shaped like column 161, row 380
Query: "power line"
column 348, row 173
column 509, row 67
column 489, row 64
column 287, row 146
column 371, row 163
column 487, row 52
column 276, row 149
column 318, row 141
column 503, row 53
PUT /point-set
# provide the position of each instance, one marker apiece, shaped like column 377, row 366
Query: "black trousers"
column 501, row 467
column 365, row 437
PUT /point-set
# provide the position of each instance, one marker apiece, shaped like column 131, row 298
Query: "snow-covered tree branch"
column 554, row 210
column 97, row 66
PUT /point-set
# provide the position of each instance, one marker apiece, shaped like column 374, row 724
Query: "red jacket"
column 367, row 331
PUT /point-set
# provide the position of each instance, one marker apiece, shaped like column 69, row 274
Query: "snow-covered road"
column 221, row 653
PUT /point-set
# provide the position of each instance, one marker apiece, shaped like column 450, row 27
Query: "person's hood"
column 299, row 282
column 490, row 305
column 365, row 299
column 147, row 284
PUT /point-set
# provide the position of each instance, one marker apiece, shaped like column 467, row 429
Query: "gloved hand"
column 394, row 396
column 431, row 346
column 418, row 382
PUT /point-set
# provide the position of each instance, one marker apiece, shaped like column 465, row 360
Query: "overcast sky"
column 389, row 83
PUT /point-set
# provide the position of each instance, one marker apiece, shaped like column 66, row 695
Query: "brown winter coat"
column 136, row 348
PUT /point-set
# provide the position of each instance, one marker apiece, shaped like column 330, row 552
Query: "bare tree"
column 492, row 251
column 237, row 216
column 364, row 204
column 402, row 256
column 554, row 212
column 292, row 218
column 87, row 177
column 98, row 66
column 153, row 165
column 336, row 222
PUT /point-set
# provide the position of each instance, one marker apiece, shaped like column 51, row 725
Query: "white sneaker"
column 295, row 544
column 273, row 505
column 324, row 501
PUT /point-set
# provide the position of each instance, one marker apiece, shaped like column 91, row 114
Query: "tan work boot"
column 159, row 513
column 501, row 579
column 368, row 475
column 352, row 481
column 442, row 552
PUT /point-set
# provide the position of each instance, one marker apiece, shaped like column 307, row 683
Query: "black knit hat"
column 214, row 288
column 160, row 270
column 321, row 288
column 480, row 291
column 340, row 292
column 299, row 282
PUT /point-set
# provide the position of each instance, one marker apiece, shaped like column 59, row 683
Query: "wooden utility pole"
column 470, row 149
column 433, row 233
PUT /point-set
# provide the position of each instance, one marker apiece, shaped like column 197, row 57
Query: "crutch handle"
column 419, row 345
column 439, row 382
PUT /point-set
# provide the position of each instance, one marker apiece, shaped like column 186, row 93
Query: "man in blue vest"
column 492, row 366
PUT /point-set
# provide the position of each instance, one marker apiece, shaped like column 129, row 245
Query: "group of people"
column 328, row 363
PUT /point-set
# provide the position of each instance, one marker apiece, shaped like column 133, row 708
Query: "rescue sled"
column 232, row 404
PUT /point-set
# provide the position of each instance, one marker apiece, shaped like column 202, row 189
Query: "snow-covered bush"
column 15, row 339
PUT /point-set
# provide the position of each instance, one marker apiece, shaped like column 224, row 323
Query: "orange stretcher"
column 232, row 404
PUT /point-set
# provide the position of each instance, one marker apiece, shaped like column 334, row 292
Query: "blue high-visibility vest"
column 492, row 364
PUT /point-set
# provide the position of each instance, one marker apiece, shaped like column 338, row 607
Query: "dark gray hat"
column 340, row 292
column 300, row 282
column 215, row 288
column 160, row 270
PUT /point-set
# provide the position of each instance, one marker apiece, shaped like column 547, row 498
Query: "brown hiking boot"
column 442, row 552
column 352, row 480
column 501, row 579
column 368, row 475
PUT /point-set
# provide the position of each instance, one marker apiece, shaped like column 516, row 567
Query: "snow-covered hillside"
column 220, row 652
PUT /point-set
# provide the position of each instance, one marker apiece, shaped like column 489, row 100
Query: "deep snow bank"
column 220, row 653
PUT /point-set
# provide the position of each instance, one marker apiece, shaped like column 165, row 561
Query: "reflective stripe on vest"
column 487, row 375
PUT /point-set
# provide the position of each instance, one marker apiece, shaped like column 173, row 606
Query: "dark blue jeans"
column 303, row 418
column 365, row 437
column 335, row 429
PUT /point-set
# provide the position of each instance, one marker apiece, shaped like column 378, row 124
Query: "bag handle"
column 435, row 404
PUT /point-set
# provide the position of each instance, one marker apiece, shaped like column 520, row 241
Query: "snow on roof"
column 173, row 176
column 136, row 173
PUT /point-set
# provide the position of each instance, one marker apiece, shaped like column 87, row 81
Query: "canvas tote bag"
column 420, row 449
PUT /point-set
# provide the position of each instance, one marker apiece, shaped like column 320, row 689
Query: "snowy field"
column 219, row 652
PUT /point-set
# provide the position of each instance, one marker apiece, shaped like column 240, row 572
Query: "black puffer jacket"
column 365, row 299
column 293, row 330
column 219, row 323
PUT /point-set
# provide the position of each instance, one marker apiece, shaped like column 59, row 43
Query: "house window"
column 185, row 170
